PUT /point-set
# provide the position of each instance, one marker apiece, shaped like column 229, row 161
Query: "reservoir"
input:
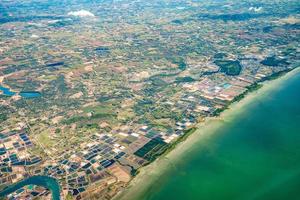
column 44, row 181
column 6, row 91
column 253, row 154
column 30, row 94
column 25, row 94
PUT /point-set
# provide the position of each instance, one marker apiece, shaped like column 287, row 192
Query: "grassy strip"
column 182, row 138
column 276, row 75
column 250, row 89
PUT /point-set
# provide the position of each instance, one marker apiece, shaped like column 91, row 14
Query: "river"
column 44, row 181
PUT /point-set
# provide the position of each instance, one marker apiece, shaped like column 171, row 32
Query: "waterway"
column 252, row 153
column 44, row 181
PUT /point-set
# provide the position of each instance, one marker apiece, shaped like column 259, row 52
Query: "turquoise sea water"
column 44, row 181
column 254, row 155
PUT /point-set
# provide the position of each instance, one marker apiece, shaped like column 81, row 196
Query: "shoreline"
column 152, row 172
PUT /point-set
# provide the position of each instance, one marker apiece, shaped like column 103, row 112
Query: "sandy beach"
column 150, row 173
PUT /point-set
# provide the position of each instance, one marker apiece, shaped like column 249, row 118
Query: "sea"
column 253, row 155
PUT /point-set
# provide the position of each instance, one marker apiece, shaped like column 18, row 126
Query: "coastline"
column 152, row 172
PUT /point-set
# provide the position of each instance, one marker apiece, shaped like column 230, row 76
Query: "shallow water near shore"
column 255, row 154
column 252, row 152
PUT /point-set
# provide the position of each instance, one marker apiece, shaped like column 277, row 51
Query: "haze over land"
column 91, row 91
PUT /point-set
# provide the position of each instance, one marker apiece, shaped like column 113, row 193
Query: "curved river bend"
column 44, row 181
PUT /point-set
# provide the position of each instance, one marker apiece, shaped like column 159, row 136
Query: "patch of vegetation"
column 69, row 197
column 3, row 117
column 165, row 113
column 98, row 109
column 273, row 61
column 250, row 88
column 232, row 17
column 156, row 81
column 220, row 55
column 45, row 140
column 91, row 126
column 157, row 85
column 229, row 67
column 143, row 106
column 57, row 130
column 276, row 75
column 185, row 79
column 161, row 113
column 104, row 98
column 134, row 172
column 180, row 62
column 73, row 120
column 154, row 148
column 102, row 115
